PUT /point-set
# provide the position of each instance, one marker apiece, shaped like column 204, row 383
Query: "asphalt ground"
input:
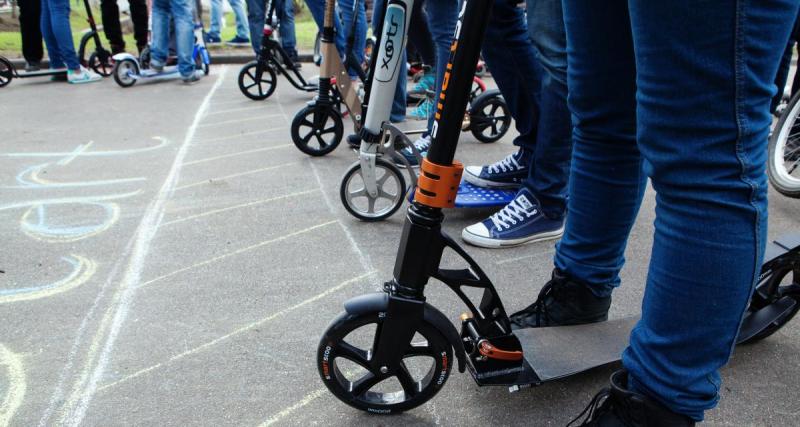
column 170, row 258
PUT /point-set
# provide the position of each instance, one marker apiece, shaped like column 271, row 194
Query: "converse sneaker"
column 521, row 221
column 562, row 302
column 238, row 42
column 422, row 145
column 509, row 172
column 424, row 84
column 82, row 76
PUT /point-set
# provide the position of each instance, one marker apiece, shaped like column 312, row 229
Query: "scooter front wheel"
column 101, row 63
column 489, row 117
column 391, row 189
column 256, row 81
column 124, row 71
column 317, row 129
column 344, row 362
column 6, row 72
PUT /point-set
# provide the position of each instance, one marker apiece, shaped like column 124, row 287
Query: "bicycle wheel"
column 783, row 165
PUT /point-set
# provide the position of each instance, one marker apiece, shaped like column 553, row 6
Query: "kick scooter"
column 391, row 351
column 258, row 78
column 99, row 60
column 129, row 69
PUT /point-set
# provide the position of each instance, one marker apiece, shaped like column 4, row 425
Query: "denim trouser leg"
column 286, row 18
column 58, row 35
column 346, row 8
column 783, row 69
column 399, row 103
column 241, row 18
column 256, row 16
column 216, row 18
column 700, row 114
column 184, row 32
column 317, row 9
column 442, row 18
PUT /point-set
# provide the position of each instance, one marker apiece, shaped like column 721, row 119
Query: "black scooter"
column 99, row 60
column 258, row 78
column 365, row 356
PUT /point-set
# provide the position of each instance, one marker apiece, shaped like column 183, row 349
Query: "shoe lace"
column 511, row 214
column 509, row 163
column 597, row 403
column 423, row 143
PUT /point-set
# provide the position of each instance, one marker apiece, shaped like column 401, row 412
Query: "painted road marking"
column 231, row 122
column 240, row 135
column 15, row 377
column 82, row 270
column 162, row 142
column 41, row 229
column 35, row 181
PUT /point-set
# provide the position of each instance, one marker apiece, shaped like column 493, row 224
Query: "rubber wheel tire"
column 321, row 114
column 100, row 62
column 344, row 324
column 789, row 118
column 247, row 81
column 390, row 168
column 121, row 69
column 792, row 291
column 477, row 115
column 6, row 72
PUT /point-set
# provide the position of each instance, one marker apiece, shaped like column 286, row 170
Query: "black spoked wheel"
column 478, row 87
column 390, row 186
column 783, row 164
column 100, row 62
column 257, row 82
column 124, row 71
column 347, row 369
column 6, row 72
column 784, row 286
column 317, row 129
column 490, row 118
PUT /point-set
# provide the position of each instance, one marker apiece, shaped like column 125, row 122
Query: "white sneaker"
column 84, row 76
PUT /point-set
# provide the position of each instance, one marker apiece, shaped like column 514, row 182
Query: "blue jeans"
column 238, row 11
column 650, row 100
column 285, row 10
column 181, row 11
column 442, row 16
column 58, row 35
column 535, row 91
column 256, row 17
column 317, row 9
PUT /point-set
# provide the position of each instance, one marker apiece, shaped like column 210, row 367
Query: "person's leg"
column 62, row 33
column 159, row 46
column 139, row 16
column 215, row 20
column 241, row 20
column 782, row 75
column 346, row 9
column 288, row 37
column 442, row 16
column 703, row 111
column 256, row 16
column 49, row 36
column 29, row 28
column 420, row 35
column 109, row 12
column 184, row 34
column 549, row 174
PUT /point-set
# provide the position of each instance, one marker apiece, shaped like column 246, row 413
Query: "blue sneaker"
column 422, row 145
column 423, row 110
column 519, row 222
column 238, row 42
column 423, row 85
column 211, row 40
column 509, row 172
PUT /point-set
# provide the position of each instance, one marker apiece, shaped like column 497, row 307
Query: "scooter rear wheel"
column 790, row 290
column 391, row 191
column 344, row 362
column 490, row 117
column 319, row 123
column 123, row 71
column 6, row 72
column 101, row 63
column 255, row 87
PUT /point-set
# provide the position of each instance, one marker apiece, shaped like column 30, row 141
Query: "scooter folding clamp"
column 437, row 185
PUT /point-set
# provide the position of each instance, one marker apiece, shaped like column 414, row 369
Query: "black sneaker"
column 562, row 302
column 616, row 406
column 353, row 141
column 506, row 173
column 33, row 66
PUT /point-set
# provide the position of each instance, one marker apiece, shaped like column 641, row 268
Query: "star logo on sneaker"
column 524, row 202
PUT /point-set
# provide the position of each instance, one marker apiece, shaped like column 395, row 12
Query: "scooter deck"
column 41, row 73
column 561, row 351
column 472, row 196
column 169, row 72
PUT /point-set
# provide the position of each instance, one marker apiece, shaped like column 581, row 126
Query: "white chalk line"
column 240, row 206
column 162, row 143
column 237, row 110
column 15, row 373
column 238, row 153
column 231, row 122
column 82, row 270
column 80, row 149
column 240, row 135
column 316, row 394
column 74, row 409
column 68, row 200
column 235, row 175
column 237, row 252
column 238, row 331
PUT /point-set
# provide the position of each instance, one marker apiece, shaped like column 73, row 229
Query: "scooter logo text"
column 448, row 70
column 392, row 42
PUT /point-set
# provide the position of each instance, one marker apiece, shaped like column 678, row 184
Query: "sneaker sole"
column 81, row 82
column 480, row 182
column 490, row 243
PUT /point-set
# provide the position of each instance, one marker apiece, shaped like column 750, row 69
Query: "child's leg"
column 61, row 33
column 160, row 36
column 184, row 34
column 49, row 37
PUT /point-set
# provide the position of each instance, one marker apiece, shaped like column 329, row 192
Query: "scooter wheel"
column 391, row 189
column 320, row 123
column 257, row 85
column 478, row 87
column 489, row 116
column 123, row 72
column 101, row 63
column 791, row 290
column 6, row 72
column 344, row 362
column 200, row 62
